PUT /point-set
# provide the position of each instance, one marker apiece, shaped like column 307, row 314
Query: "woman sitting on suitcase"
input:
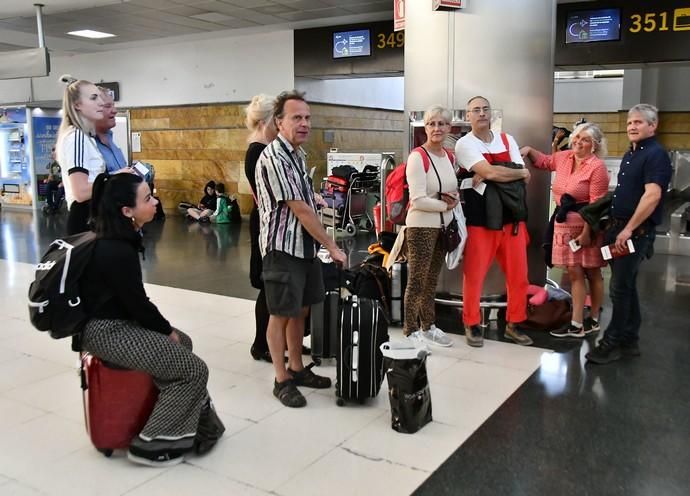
column 127, row 330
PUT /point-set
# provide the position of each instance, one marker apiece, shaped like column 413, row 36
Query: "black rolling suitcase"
column 324, row 327
column 364, row 328
column 324, row 317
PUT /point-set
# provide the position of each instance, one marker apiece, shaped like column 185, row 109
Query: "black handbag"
column 450, row 235
column 409, row 394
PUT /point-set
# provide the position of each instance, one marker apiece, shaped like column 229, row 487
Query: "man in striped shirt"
column 289, row 240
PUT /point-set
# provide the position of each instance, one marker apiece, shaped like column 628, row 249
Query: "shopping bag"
column 408, row 387
column 453, row 257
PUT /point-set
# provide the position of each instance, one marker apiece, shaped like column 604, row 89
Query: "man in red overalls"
column 504, row 239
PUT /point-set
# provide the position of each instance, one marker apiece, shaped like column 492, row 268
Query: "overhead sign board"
column 621, row 32
column 32, row 62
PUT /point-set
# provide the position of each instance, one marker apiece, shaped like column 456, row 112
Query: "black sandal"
column 288, row 394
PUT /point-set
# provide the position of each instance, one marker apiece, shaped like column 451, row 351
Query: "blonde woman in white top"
column 429, row 201
column 77, row 152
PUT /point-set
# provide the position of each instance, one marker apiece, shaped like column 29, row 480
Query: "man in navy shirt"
column 635, row 212
column 112, row 155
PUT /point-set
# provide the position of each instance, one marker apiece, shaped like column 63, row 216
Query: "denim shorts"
column 291, row 283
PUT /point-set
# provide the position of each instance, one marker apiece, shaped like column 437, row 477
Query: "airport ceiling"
column 143, row 22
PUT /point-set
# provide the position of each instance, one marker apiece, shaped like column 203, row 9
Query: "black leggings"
column 255, row 267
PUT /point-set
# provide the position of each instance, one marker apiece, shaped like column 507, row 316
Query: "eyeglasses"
column 480, row 110
column 436, row 124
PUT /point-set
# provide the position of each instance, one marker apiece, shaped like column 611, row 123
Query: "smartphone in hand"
column 574, row 245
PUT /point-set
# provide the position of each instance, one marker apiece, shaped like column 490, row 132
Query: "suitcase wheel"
column 340, row 402
column 106, row 452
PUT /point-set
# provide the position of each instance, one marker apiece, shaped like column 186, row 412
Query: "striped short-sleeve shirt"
column 281, row 175
column 77, row 152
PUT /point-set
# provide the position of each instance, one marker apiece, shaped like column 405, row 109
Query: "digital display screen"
column 351, row 44
column 593, row 25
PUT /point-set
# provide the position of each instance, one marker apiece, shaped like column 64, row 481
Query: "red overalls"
column 510, row 251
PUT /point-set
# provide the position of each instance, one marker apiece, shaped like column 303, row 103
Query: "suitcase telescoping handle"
column 350, row 355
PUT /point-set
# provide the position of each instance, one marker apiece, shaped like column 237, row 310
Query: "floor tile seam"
column 305, row 468
column 22, row 483
column 157, row 474
column 461, row 385
column 23, row 473
column 517, row 369
column 463, row 429
column 385, row 460
column 198, row 293
column 191, row 463
column 363, row 427
column 51, row 361
column 24, row 403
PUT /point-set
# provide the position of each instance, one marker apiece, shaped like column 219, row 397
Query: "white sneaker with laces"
column 436, row 337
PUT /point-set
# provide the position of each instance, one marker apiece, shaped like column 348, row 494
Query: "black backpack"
column 54, row 302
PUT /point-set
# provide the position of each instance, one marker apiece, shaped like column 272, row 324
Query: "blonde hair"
column 70, row 115
column 598, row 140
column 435, row 110
column 259, row 110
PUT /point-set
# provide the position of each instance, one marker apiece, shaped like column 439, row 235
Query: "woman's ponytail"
column 97, row 194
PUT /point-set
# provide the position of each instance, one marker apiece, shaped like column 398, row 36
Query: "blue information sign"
column 351, row 44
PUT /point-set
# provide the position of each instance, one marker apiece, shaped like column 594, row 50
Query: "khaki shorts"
column 291, row 283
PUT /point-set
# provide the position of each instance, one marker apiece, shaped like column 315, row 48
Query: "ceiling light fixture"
column 88, row 33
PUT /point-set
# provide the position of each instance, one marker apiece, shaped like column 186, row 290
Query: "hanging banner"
column 449, row 4
column 398, row 15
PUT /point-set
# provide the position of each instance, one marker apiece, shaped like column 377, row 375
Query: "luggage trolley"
column 347, row 200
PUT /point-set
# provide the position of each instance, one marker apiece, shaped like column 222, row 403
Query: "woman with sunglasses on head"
column 126, row 329
column 77, row 152
column 581, row 178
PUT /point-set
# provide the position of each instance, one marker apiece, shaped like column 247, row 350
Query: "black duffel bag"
column 368, row 280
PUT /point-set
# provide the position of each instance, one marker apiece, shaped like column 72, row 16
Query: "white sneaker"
column 436, row 337
column 417, row 339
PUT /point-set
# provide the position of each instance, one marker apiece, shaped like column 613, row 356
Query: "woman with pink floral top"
column 581, row 178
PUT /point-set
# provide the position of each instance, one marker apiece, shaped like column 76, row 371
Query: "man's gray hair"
column 649, row 112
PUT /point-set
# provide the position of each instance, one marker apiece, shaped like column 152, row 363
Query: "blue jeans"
column 624, row 327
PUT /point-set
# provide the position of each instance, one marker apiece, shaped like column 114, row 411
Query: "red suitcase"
column 117, row 403
column 337, row 183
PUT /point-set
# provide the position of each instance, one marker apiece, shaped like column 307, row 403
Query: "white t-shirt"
column 425, row 202
column 78, row 152
column 469, row 149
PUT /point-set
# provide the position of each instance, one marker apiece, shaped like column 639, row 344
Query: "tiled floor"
column 570, row 428
column 322, row 449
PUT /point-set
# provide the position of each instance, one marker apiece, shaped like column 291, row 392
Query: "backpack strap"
column 504, row 138
column 425, row 157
